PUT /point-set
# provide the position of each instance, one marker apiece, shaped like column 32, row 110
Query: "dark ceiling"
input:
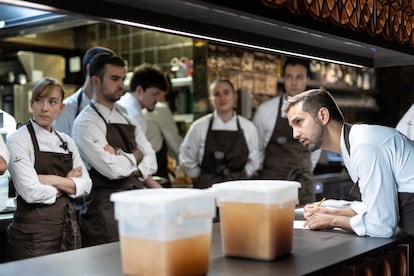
column 248, row 23
column 21, row 20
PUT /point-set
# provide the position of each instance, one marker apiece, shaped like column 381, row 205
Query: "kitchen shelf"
column 334, row 88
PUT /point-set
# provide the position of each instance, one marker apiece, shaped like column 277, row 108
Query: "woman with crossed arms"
column 48, row 174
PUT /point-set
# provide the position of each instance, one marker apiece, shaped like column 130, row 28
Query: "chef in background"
column 162, row 133
column 48, row 174
column 284, row 158
column 114, row 148
column 82, row 97
column 147, row 84
column 222, row 145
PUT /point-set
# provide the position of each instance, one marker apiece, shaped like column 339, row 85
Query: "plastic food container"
column 256, row 217
column 165, row 231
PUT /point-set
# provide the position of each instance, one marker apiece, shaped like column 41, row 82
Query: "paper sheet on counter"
column 330, row 203
column 299, row 224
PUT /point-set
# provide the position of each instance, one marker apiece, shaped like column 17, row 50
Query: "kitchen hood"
column 245, row 23
column 30, row 19
column 24, row 67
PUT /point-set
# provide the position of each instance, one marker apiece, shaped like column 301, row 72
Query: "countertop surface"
column 312, row 252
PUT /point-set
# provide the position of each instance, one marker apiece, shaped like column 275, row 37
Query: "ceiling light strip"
column 235, row 43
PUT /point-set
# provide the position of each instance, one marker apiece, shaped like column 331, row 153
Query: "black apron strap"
column 78, row 103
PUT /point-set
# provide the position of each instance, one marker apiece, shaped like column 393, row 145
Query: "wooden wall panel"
column 390, row 19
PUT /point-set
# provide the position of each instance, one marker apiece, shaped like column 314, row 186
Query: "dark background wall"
column 395, row 87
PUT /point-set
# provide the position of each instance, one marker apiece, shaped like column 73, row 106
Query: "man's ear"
column 139, row 90
column 94, row 80
column 323, row 115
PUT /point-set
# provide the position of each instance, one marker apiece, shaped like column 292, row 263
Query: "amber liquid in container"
column 257, row 231
column 188, row 256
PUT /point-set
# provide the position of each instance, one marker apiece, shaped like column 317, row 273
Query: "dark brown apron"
column 406, row 211
column 39, row 229
column 98, row 224
column 225, row 156
column 162, row 162
column 287, row 159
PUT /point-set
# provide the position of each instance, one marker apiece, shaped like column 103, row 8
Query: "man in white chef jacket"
column 379, row 159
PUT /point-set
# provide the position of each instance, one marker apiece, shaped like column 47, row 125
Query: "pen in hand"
column 321, row 201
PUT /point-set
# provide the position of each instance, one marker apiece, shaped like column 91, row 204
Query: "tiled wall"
column 139, row 46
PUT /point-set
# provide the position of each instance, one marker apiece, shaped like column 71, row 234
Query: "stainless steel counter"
column 313, row 252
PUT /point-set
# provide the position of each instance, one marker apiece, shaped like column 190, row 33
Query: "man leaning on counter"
column 379, row 159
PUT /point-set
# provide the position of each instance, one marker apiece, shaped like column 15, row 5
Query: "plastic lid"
column 164, row 204
column 257, row 191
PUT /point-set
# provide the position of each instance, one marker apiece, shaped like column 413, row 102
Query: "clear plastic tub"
column 165, row 231
column 256, row 217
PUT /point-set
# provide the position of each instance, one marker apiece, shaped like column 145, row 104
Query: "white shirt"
column 381, row 160
column 89, row 133
column 406, row 123
column 4, row 152
column 265, row 120
column 192, row 147
column 64, row 122
column 22, row 160
column 134, row 109
column 161, row 126
column 8, row 125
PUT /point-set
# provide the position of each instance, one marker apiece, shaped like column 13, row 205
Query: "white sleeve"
column 23, row 173
column 170, row 131
column 90, row 137
column 252, row 140
column 405, row 125
column 83, row 183
column 378, row 192
column 189, row 151
column 4, row 152
column 64, row 121
column 148, row 165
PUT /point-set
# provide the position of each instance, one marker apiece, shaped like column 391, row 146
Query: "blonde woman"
column 48, row 174
column 222, row 145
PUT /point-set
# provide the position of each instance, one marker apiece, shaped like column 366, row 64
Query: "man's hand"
column 149, row 182
column 75, row 172
column 109, row 149
column 320, row 221
column 138, row 155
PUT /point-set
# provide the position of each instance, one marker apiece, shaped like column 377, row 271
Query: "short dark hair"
column 97, row 65
column 297, row 61
column 313, row 100
column 148, row 75
column 92, row 52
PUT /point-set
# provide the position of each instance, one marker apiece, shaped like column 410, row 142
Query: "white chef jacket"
column 22, row 160
column 4, row 152
column 192, row 148
column 381, row 160
column 134, row 109
column 8, row 125
column 64, row 122
column 161, row 126
column 265, row 120
column 406, row 123
column 89, row 133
